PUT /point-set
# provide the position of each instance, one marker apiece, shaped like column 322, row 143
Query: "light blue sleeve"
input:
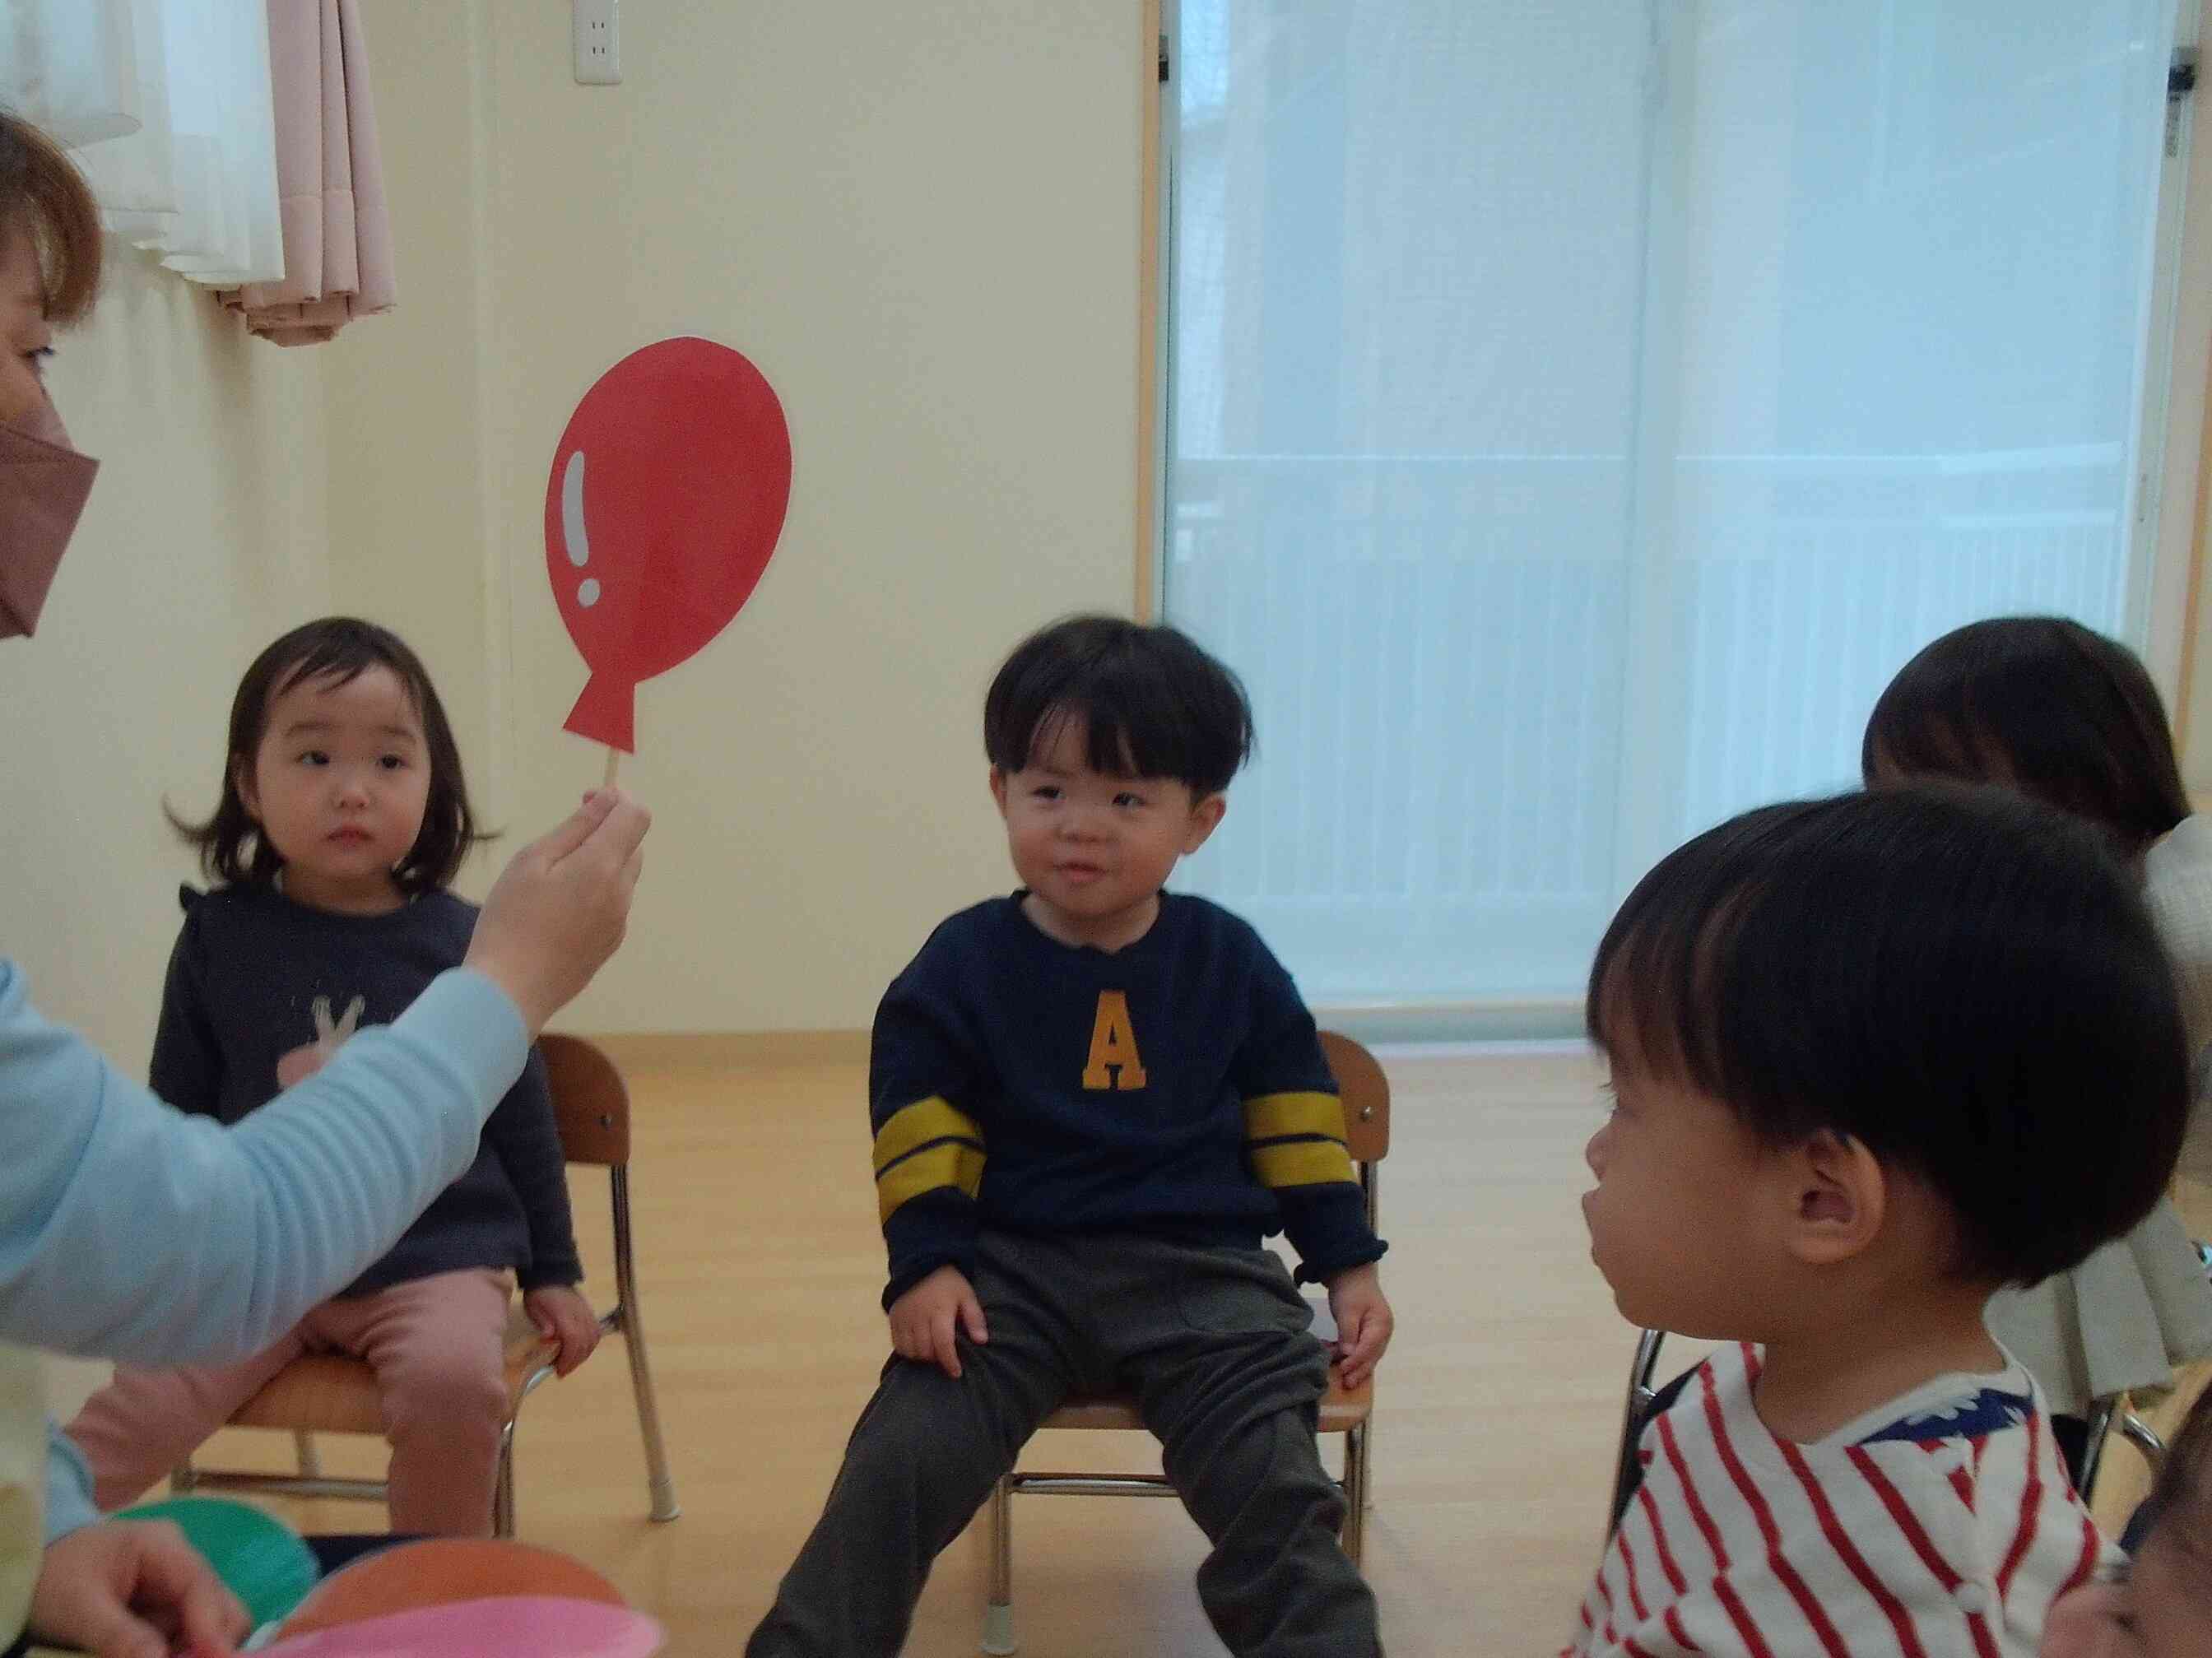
column 132, row 1231
column 69, row 1485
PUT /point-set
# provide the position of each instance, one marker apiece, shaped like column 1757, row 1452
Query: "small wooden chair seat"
column 1340, row 1411
column 333, row 1393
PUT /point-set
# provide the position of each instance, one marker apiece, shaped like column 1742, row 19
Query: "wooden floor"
column 1496, row 1409
column 761, row 1261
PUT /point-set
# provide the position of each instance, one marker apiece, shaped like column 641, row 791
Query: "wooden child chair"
column 326, row 1392
column 1366, row 1095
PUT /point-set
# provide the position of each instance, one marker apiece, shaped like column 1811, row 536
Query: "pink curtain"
column 329, row 176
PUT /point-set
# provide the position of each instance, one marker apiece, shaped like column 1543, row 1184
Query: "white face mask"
column 43, row 485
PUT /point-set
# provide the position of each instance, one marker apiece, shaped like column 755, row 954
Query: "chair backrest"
column 1366, row 1095
column 590, row 1101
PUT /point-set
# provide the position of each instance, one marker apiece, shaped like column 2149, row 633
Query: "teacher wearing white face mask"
column 228, row 1234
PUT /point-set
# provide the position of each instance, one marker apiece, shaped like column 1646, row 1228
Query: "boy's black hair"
column 1964, row 981
column 339, row 648
column 2040, row 704
column 1152, row 703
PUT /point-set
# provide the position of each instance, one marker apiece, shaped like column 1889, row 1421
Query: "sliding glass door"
column 1577, row 409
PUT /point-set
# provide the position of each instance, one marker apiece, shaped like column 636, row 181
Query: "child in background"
column 1862, row 1052
column 342, row 817
column 2046, row 707
column 2159, row 1605
column 1090, row 1100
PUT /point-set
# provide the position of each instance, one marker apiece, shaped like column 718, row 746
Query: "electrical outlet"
column 599, row 43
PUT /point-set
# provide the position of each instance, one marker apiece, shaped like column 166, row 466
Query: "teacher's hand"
column 558, row 909
column 127, row 1588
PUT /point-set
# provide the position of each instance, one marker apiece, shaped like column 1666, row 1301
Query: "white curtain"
column 167, row 105
column 1578, row 410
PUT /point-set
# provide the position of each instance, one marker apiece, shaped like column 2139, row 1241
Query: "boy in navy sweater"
column 1092, row 1100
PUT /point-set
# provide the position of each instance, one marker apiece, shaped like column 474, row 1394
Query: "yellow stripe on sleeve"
column 913, row 1127
column 948, row 1163
column 1302, row 1162
column 1278, row 1116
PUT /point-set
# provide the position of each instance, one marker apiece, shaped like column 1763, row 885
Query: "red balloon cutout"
column 666, row 496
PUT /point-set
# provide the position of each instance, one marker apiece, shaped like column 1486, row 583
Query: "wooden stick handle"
column 614, row 762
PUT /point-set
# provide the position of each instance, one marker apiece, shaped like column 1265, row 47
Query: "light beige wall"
column 204, row 538
column 407, row 484
column 921, row 223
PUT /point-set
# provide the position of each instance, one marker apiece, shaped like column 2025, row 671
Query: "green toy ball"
column 260, row 1560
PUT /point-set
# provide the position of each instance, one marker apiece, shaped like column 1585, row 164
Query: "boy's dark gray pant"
column 1215, row 1344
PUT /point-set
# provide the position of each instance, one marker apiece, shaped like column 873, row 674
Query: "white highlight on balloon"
column 572, row 514
column 587, row 593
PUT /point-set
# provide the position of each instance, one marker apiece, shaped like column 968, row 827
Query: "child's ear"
column 1204, row 818
column 1840, row 1199
column 998, row 788
column 242, row 777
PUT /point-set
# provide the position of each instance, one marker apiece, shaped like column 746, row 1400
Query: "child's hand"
column 567, row 1319
column 127, row 1588
column 1364, row 1323
column 927, row 1320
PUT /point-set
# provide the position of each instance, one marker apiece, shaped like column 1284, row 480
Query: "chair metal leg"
column 502, row 1502
column 999, row 1613
column 2097, row 1421
column 660, row 1486
column 1640, row 1395
column 2137, row 1432
column 1356, row 1496
column 311, row 1457
column 1367, row 1460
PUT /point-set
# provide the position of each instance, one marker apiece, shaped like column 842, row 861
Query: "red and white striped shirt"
column 1949, row 1531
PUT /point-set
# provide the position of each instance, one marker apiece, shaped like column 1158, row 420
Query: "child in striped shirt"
column 1873, row 1057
